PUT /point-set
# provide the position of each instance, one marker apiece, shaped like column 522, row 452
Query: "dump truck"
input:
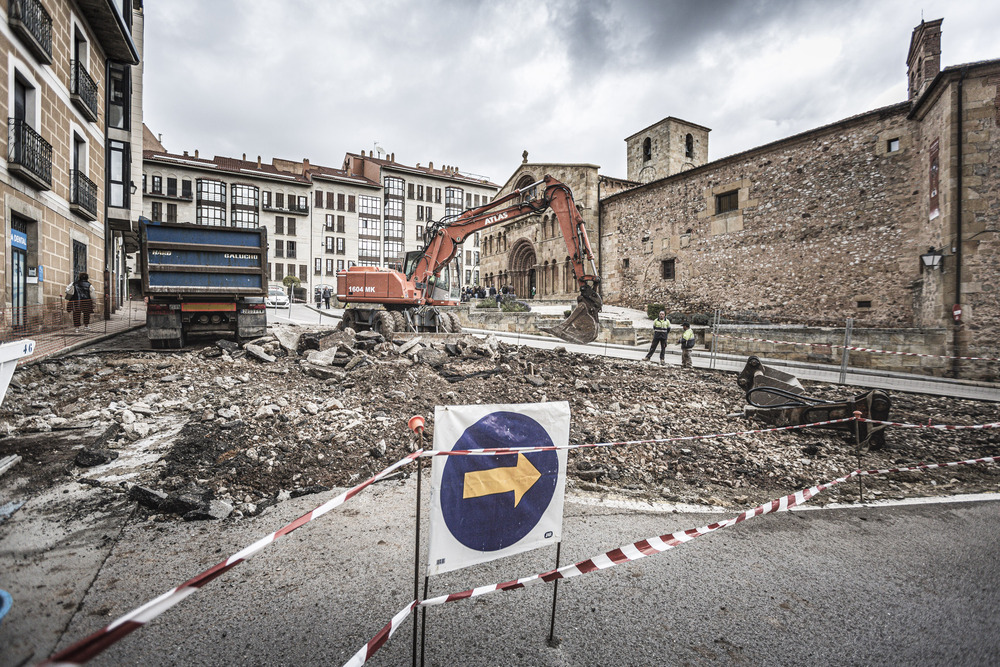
column 202, row 280
column 388, row 301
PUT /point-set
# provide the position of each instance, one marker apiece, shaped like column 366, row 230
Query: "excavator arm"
column 582, row 326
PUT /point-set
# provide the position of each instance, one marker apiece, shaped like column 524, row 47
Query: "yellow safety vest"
column 688, row 334
column 661, row 324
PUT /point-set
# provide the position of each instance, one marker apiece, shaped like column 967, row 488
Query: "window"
column 279, row 272
column 393, row 186
column 340, row 224
column 689, row 145
column 427, row 213
column 211, row 191
column 468, row 257
column 144, row 182
column 269, row 270
column 341, row 246
column 290, row 227
column 118, row 170
column 667, row 269
column 864, row 304
column 453, row 197
column 625, row 263
column 279, row 248
column 265, row 198
column 340, row 202
column 647, row 149
column 279, row 224
column 393, row 229
column 319, row 199
column 727, row 201
column 303, row 272
column 157, row 185
column 330, row 199
column 368, row 226
column 119, row 87
column 329, row 244
column 318, row 265
column 368, row 205
column 350, row 203
column 468, row 276
column 329, row 266
column 245, row 195
column 409, row 191
column 420, row 192
column 420, row 233
column 475, row 242
column 303, row 203
column 437, row 195
column 475, row 257
column 186, row 189
column 368, row 248
column 290, row 270
column 171, row 212
column 393, row 251
column 210, row 214
column 329, row 222
column 420, row 212
column 157, row 212
column 245, row 217
column 340, row 264
column 172, row 187
column 393, row 208
column 892, row 145
column 279, row 200
column 468, row 200
column 475, row 200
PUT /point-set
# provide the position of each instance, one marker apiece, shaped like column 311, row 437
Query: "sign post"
column 956, row 312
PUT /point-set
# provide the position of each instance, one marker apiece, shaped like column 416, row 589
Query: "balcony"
column 82, row 195
column 83, row 91
column 33, row 25
column 295, row 208
column 28, row 155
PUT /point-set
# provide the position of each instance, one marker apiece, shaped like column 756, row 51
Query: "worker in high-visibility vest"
column 661, row 327
column 687, row 343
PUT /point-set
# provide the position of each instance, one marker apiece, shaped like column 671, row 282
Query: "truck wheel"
column 384, row 324
column 347, row 321
column 398, row 321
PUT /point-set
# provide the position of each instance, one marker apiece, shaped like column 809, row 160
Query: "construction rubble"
column 222, row 430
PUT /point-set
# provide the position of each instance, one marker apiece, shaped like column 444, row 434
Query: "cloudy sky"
column 473, row 84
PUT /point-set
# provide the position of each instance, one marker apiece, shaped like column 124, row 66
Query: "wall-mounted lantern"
column 932, row 259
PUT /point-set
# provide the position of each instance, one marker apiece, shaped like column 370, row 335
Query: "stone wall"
column 826, row 227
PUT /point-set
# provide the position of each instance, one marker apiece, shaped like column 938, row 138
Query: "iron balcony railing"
column 33, row 23
column 84, row 90
column 29, row 153
column 83, row 192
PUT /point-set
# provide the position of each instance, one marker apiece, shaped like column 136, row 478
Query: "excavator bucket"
column 582, row 325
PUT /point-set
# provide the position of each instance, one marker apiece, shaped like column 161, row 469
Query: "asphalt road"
column 915, row 585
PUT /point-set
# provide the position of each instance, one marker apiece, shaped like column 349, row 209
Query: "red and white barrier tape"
column 87, row 648
column 630, row 552
column 857, row 349
column 939, row 427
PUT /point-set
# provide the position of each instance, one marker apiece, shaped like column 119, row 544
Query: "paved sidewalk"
column 52, row 342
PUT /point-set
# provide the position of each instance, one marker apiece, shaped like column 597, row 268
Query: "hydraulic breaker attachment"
column 582, row 325
column 772, row 397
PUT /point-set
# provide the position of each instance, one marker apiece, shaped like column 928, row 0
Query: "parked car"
column 276, row 298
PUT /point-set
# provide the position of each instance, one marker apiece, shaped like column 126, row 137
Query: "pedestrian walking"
column 326, row 297
column 80, row 297
column 687, row 344
column 661, row 327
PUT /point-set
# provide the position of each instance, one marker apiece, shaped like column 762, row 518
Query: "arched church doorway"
column 522, row 267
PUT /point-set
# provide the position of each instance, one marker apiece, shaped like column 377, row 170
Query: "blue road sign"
column 490, row 502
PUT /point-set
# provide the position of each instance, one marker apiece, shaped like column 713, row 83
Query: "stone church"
column 889, row 217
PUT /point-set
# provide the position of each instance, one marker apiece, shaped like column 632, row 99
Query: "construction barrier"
column 856, row 349
column 634, row 551
column 90, row 646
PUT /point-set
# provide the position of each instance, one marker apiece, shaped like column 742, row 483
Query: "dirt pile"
column 220, row 429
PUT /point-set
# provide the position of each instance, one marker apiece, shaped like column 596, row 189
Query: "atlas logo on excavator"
column 494, row 219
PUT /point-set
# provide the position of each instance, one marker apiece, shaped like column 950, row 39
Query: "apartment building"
column 320, row 219
column 235, row 192
column 62, row 172
column 413, row 196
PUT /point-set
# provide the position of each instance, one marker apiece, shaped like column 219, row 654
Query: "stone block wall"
column 825, row 228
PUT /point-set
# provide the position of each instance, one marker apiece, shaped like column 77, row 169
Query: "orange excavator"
column 388, row 301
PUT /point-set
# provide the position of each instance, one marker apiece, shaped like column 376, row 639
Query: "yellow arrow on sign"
column 518, row 479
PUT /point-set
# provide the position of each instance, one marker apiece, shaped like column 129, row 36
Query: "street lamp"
column 931, row 259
